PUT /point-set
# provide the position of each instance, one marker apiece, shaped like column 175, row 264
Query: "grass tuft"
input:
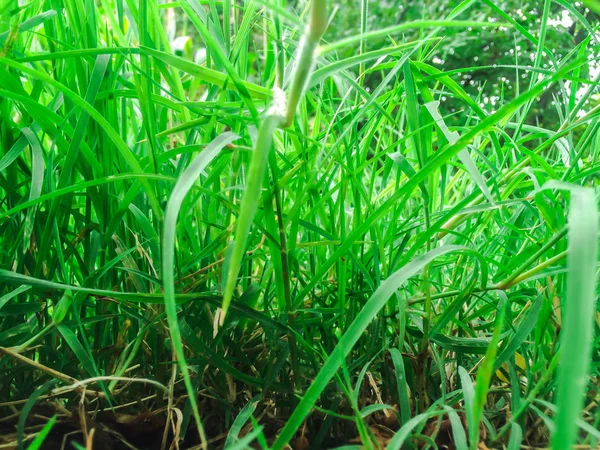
column 271, row 224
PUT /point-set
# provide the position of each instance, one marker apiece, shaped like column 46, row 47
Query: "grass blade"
column 469, row 398
column 36, row 444
column 240, row 421
column 579, row 311
column 249, row 206
column 37, row 181
column 184, row 184
column 401, row 384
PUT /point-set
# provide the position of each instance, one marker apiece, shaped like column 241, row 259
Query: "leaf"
column 20, row 309
column 62, row 308
column 458, row 431
column 244, row 443
column 370, row 409
column 13, row 153
column 405, row 431
column 80, row 352
column 524, row 329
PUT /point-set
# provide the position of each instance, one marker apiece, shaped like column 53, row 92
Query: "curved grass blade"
column 520, row 334
column 458, row 430
column 404, row 432
column 240, row 421
column 37, row 180
column 183, row 186
column 5, row 298
column 79, row 350
column 13, row 153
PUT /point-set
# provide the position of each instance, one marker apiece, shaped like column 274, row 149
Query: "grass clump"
column 261, row 225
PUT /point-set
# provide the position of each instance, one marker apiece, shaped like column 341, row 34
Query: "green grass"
column 306, row 235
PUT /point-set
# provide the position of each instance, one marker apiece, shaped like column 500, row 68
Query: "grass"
column 299, row 237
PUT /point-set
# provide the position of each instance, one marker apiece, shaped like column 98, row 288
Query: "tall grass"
column 277, row 235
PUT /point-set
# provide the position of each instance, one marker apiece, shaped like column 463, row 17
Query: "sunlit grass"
column 292, row 238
